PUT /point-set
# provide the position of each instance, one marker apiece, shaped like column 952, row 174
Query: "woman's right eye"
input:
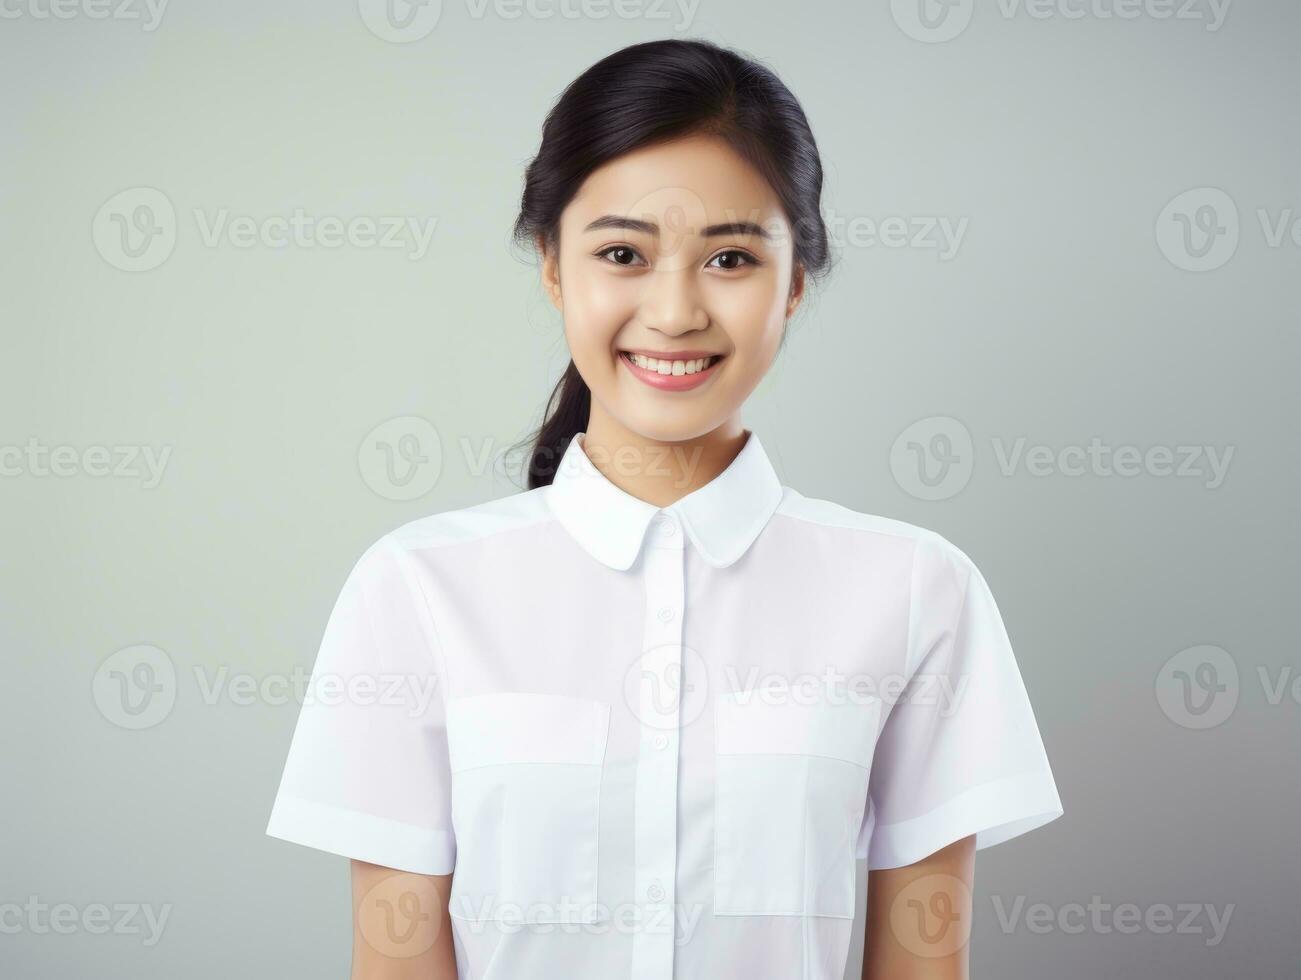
column 620, row 254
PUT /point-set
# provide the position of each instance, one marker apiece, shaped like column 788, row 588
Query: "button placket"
column 656, row 806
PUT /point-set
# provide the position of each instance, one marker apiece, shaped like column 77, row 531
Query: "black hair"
column 651, row 93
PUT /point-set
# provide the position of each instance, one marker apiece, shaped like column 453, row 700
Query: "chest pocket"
column 526, row 789
column 790, row 791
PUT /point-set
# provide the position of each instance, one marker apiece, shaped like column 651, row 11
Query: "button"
column 661, row 741
column 665, row 614
column 655, row 892
column 666, row 526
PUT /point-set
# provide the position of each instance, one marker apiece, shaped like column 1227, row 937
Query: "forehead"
column 699, row 179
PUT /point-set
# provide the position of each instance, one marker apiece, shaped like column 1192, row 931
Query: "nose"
column 671, row 302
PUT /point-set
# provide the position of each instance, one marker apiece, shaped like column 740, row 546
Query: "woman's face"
column 675, row 277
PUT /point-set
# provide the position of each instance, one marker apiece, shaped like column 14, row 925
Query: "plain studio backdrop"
column 259, row 307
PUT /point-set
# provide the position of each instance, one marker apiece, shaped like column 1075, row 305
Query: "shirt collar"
column 722, row 518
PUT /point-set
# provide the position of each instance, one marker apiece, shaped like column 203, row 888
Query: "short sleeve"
column 367, row 775
column 960, row 752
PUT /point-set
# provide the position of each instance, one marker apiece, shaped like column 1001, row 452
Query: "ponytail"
column 567, row 413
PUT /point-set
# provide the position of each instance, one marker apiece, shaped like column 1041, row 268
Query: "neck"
column 657, row 471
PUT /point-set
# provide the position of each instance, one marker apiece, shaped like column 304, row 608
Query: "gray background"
column 1064, row 316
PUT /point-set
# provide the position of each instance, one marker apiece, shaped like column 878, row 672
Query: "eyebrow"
column 651, row 228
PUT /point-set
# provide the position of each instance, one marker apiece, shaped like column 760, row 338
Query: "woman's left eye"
column 736, row 258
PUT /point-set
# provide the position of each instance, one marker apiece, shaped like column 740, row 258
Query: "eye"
column 624, row 255
column 734, row 259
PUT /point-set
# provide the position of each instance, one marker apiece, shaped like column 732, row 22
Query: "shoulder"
column 387, row 557
column 477, row 522
column 929, row 552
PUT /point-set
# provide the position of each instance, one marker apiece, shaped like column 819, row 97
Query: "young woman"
column 639, row 720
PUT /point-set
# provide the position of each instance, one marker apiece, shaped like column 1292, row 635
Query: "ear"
column 796, row 294
column 550, row 272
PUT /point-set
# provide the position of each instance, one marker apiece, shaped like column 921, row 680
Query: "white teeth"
column 664, row 366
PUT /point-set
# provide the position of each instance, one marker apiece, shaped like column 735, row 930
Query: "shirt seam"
column 429, row 624
column 406, row 540
column 916, row 534
column 953, row 626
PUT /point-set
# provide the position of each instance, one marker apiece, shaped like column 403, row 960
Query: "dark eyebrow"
column 651, row 228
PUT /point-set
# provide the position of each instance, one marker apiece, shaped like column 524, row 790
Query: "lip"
column 672, row 355
column 672, row 382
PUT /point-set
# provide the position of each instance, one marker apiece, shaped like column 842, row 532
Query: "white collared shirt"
column 649, row 742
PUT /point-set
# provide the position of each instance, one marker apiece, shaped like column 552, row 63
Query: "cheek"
column 596, row 306
column 754, row 320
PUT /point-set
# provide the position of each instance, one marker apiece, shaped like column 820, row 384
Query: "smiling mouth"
column 671, row 366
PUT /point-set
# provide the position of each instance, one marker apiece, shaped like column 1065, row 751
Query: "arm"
column 400, row 926
column 919, row 917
